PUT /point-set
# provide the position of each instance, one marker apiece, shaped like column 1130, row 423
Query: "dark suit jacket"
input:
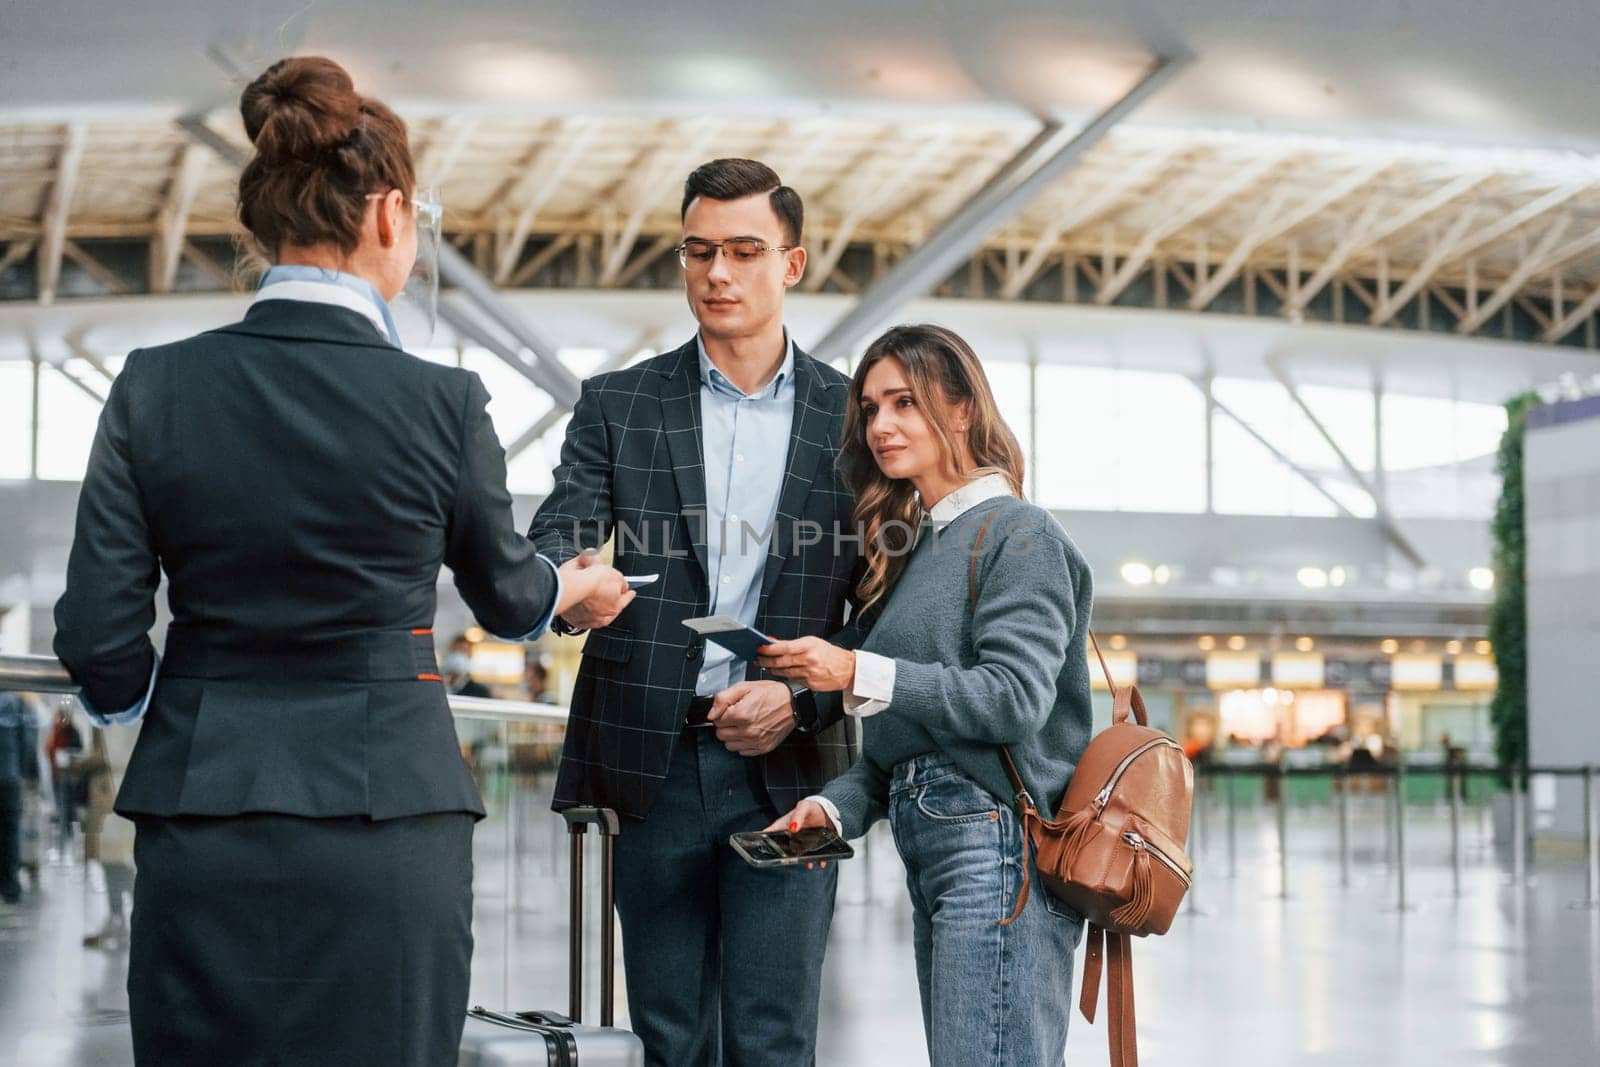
column 633, row 463
column 301, row 482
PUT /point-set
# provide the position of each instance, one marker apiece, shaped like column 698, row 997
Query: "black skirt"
column 280, row 940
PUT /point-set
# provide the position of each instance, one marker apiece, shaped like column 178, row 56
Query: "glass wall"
column 1101, row 438
column 1119, row 440
column 16, row 418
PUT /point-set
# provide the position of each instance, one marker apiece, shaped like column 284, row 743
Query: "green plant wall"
column 1508, row 618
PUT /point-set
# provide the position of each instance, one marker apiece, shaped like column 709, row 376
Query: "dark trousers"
column 268, row 940
column 10, row 839
column 724, row 961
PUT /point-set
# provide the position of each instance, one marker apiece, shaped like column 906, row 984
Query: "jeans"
column 991, row 994
column 723, row 960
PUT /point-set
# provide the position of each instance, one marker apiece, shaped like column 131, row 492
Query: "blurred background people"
column 457, row 667
column 63, row 745
column 19, row 773
column 536, row 679
column 108, row 838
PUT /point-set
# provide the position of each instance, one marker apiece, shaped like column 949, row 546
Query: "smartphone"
column 785, row 848
column 730, row 633
column 636, row 581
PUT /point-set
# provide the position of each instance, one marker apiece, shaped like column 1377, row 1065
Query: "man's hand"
column 592, row 593
column 752, row 718
column 811, row 661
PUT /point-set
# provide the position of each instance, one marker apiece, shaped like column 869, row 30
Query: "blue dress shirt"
column 745, row 439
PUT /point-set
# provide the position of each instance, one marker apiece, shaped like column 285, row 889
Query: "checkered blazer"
column 633, row 465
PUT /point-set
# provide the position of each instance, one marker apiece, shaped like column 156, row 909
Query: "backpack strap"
column 1112, row 952
column 1119, row 1001
column 1027, row 811
column 1124, row 699
column 972, row 566
column 1094, row 951
column 1028, row 816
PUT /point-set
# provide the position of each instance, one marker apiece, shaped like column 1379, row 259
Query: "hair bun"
column 300, row 107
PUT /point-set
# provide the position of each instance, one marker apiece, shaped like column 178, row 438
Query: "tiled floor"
column 1330, row 975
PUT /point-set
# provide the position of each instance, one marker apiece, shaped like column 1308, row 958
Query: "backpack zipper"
column 1137, row 840
column 1102, row 798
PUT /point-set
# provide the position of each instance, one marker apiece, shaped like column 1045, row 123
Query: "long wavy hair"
column 945, row 376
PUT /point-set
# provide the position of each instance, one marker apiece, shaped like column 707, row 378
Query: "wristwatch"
column 565, row 628
column 803, row 705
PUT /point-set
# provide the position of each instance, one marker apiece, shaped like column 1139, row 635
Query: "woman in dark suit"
column 304, row 814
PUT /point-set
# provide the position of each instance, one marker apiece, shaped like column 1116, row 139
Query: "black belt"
column 699, row 708
column 374, row 656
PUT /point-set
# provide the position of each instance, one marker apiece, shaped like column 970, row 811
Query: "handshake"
column 593, row 593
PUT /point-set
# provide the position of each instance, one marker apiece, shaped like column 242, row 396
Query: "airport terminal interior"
column 1294, row 311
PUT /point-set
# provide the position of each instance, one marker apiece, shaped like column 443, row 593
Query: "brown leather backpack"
column 1115, row 851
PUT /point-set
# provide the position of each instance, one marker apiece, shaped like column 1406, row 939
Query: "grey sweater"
column 1012, row 671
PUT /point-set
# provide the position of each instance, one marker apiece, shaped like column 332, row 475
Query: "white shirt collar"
column 969, row 496
column 318, row 286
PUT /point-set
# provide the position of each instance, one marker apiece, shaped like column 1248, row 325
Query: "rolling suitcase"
column 548, row 1039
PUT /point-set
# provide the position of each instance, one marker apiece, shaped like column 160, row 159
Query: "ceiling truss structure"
column 1425, row 237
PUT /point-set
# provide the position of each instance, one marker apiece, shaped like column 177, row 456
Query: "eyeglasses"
column 430, row 213
column 741, row 251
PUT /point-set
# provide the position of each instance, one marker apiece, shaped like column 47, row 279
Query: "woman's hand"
column 806, row 814
column 811, row 661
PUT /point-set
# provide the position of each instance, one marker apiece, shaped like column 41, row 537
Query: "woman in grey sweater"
column 976, row 607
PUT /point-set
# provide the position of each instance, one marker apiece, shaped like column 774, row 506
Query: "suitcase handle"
column 608, row 826
column 604, row 820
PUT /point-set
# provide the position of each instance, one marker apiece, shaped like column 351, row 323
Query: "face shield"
column 422, row 288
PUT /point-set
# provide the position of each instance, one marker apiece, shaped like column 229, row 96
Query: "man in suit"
column 713, row 465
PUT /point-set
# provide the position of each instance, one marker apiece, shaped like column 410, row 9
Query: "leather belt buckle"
column 695, row 716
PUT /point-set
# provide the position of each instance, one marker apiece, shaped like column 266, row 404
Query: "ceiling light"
column 1304, row 644
column 1119, row 642
column 1337, row 576
column 1163, row 574
column 1482, row 578
column 1389, row 646
column 1453, row 647
column 1312, row 577
column 1236, row 642
column 1207, row 643
column 1482, row 648
column 1136, row 573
